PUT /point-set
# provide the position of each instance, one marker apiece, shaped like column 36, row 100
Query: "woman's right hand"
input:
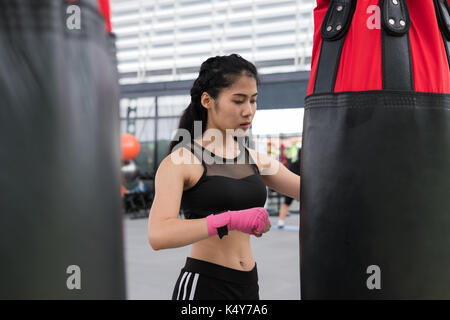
column 251, row 221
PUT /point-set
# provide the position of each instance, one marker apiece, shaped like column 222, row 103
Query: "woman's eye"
column 254, row 101
column 239, row 102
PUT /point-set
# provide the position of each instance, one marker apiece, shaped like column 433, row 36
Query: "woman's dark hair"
column 215, row 74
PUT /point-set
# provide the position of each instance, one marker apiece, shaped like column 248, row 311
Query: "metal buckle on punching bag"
column 334, row 28
column 443, row 18
column 396, row 48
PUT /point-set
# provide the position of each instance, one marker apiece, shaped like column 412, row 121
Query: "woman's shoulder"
column 182, row 162
column 263, row 161
column 183, row 155
column 181, row 159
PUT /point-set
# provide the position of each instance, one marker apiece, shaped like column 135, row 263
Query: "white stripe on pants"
column 194, row 286
column 185, row 286
column 187, row 276
column 181, row 283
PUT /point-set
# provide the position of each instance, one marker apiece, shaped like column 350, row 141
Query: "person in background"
column 295, row 168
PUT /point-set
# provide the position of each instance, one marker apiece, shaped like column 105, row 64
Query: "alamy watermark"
column 374, row 21
column 216, row 137
column 73, row 21
column 73, row 282
column 374, row 281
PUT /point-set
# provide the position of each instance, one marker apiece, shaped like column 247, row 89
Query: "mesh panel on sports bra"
column 238, row 167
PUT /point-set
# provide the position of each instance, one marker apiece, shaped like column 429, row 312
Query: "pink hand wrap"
column 248, row 221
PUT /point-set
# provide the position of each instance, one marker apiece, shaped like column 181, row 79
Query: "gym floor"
column 152, row 274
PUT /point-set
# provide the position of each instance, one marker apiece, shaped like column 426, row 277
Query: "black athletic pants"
column 201, row 280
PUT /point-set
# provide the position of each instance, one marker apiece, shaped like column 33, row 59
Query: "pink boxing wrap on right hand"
column 248, row 221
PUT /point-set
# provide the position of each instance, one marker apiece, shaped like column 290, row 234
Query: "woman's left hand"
column 266, row 229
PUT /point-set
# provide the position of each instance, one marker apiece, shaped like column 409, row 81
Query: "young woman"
column 219, row 183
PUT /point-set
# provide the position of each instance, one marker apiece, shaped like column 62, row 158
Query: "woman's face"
column 235, row 107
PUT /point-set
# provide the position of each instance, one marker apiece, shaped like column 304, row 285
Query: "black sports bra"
column 226, row 184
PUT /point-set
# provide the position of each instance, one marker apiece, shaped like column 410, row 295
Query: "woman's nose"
column 248, row 110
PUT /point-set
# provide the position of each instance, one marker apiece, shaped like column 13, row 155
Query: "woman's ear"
column 206, row 100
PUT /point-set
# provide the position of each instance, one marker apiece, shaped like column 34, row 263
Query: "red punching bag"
column 376, row 152
column 105, row 11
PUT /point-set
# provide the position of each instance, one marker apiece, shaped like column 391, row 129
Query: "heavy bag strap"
column 396, row 47
column 443, row 18
column 334, row 28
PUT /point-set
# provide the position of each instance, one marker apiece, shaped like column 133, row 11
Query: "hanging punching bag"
column 60, row 222
column 375, row 193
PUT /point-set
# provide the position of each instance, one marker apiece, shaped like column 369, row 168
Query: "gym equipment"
column 60, row 138
column 130, row 146
column 137, row 201
column 375, row 167
column 129, row 172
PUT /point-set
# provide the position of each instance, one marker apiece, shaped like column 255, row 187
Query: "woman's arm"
column 276, row 176
column 165, row 228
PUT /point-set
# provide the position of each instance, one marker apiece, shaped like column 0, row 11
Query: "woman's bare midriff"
column 232, row 251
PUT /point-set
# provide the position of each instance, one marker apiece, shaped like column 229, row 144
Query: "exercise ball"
column 130, row 146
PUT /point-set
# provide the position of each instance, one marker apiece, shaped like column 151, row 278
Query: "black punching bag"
column 61, row 231
column 375, row 193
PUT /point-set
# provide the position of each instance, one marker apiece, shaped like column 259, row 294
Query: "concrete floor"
column 152, row 274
